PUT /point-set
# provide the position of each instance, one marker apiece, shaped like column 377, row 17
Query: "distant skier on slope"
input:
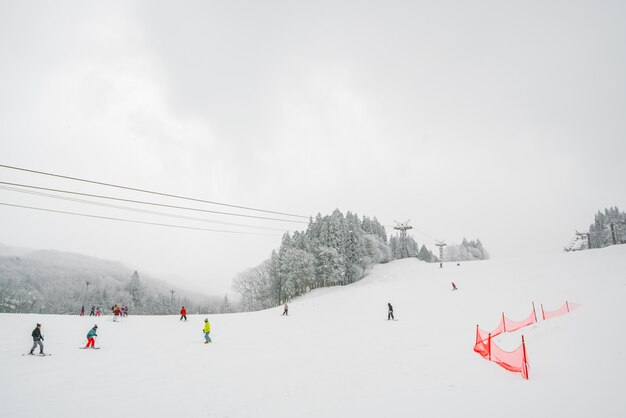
column 93, row 311
column 117, row 313
column 37, row 339
column 91, row 341
column 390, row 312
column 183, row 314
column 82, row 311
column 454, row 287
column 286, row 310
column 206, row 330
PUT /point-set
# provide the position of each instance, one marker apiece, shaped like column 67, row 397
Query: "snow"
column 336, row 355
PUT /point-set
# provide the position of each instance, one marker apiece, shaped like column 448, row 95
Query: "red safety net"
column 485, row 334
column 567, row 307
column 514, row 326
column 482, row 345
column 514, row 361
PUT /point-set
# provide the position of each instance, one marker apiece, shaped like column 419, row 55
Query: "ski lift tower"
column 440, row 244
column 403, row 227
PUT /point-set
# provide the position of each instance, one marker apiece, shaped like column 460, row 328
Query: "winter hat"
column 95, row 326
column 206, row 319
column 38, row 325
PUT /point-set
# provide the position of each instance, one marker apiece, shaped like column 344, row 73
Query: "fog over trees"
column 60, row 283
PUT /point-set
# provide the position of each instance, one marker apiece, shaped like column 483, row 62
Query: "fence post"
column 503, row 322
column 567, row 306
column 525, row 360
column 534, row 312
column 489, row 348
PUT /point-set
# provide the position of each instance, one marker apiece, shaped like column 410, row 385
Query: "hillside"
column 46, row 281
column 336, row 355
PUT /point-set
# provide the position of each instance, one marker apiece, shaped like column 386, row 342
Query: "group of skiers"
column 94, row 311
column 116, row 310
column 91, row 340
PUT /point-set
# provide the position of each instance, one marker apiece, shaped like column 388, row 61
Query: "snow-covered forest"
column 336, row 249
column 608, row 228
column 57, row 282
column 465, row 251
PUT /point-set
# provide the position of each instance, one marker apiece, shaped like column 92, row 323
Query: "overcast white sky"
column 491, row 119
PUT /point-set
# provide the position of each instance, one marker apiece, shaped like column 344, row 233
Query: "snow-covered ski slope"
column 336, row 355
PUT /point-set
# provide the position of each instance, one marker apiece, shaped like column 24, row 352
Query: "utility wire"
column 149, row 191
column 133, row 221
column 150, row 203
column 89, row 202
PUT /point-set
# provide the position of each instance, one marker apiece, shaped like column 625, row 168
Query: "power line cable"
column 149, row 191
column 89, row 202
column 134, row 221
column 150, row 203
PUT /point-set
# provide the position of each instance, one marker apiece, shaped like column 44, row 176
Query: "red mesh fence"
column 511, row 326
column 514, row 361
column 482, row 344
column 567, row 307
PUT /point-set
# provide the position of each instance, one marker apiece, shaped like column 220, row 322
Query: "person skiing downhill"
column 37, row 339
column 390, row 312
column 183, row 314
column 454, row 287
column 90, row 337
column 286, row 310
column 117, row 313
column 206, row 330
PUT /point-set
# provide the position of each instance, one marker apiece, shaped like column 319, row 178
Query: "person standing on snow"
column 82, row 311
column 93, row 311
column 390, row 312
column 37, row 339
column 206, row 330
column 286, row 310
column 98, row 311
column 91, row 341
column 183, row 314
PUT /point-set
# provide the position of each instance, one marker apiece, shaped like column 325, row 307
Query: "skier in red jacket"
column 183, row 314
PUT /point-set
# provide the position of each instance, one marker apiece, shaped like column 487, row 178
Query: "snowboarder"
column 90, row 337
column 82, row 311
column 390, row 312
column 206, row 330
column 286, row 310
column 93, row 311
column 183, row 314
column 37, row 339
column 454, row 287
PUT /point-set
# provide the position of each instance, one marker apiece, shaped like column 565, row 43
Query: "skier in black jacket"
column 390, row 313
column 37, row 339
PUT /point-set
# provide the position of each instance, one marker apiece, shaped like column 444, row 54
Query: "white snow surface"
column 336, row 355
